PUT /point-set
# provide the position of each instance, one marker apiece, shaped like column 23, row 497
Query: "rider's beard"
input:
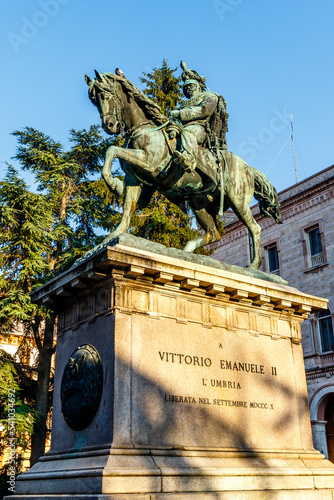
column 192, row 93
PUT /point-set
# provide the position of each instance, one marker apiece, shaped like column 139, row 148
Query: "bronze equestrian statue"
column 183, row 157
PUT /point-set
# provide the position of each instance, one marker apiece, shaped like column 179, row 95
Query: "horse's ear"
column 87, row 79
column 98, row 76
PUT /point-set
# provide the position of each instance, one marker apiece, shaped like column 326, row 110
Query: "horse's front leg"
column 132, row 194
column 134, row 157
column 115, row 185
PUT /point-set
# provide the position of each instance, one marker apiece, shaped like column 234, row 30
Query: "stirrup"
column 185, row 160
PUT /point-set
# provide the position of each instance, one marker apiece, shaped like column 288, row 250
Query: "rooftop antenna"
column 293, row 148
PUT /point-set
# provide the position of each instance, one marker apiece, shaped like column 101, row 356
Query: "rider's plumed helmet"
column 191, row 76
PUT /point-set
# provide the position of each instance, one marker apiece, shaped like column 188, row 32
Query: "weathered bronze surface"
column 81, row 387
column 202, row 120
column 184, row 157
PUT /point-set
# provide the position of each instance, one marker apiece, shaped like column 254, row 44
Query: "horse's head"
column 271, row 210
column 121, row 104
column 103, row 94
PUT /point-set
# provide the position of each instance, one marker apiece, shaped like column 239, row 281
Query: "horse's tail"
column 266, row 195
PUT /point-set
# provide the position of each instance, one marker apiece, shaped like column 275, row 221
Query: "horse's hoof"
column 189, row 247
column 110, row 237
column 253, row 266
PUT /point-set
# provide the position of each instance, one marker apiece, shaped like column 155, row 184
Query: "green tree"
column 42, row 233
column 163, row 222
column 163, row 87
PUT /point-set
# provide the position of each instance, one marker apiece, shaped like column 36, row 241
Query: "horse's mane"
column 150, row 108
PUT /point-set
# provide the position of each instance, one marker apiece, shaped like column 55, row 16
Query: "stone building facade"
column 301, row 250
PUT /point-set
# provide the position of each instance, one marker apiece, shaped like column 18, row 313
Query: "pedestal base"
column 159, row 475
column 194, row 380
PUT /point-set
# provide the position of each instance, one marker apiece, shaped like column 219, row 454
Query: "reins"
column 162, row 127
column 129, row 133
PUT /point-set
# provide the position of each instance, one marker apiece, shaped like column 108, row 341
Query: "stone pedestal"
column 203, row 384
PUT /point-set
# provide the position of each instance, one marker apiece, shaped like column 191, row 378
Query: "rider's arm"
column 204, row 110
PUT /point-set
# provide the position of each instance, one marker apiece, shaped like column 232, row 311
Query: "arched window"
column 326, row 331
column 329, row 418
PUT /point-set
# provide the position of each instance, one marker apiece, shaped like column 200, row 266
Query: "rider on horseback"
column 148, row 155
column 202, row 119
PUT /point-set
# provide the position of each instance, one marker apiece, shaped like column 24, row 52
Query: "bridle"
column 109, row 87
column 117, row 113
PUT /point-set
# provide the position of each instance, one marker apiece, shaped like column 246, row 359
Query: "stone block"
column 204, row 393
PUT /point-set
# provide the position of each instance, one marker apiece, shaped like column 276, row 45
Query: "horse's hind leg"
column 245, row 215
column 206, row 221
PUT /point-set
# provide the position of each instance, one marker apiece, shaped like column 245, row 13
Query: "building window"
column 314, row 246
column 272, row 256
column 271, row 261
column 325, row 324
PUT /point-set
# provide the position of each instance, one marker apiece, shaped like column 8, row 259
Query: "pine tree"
column 163, row 87
column 163, row 222
column 41, row 234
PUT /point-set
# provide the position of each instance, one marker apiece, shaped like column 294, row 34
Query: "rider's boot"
column 185, row 160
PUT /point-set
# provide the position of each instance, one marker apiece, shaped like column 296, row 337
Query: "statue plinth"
column 201, row 392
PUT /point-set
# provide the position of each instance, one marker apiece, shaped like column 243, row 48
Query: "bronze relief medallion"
column 81, row 387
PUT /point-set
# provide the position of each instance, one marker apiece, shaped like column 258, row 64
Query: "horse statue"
column 147, row 159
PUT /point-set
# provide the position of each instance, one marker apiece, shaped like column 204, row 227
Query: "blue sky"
column 269, row 59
